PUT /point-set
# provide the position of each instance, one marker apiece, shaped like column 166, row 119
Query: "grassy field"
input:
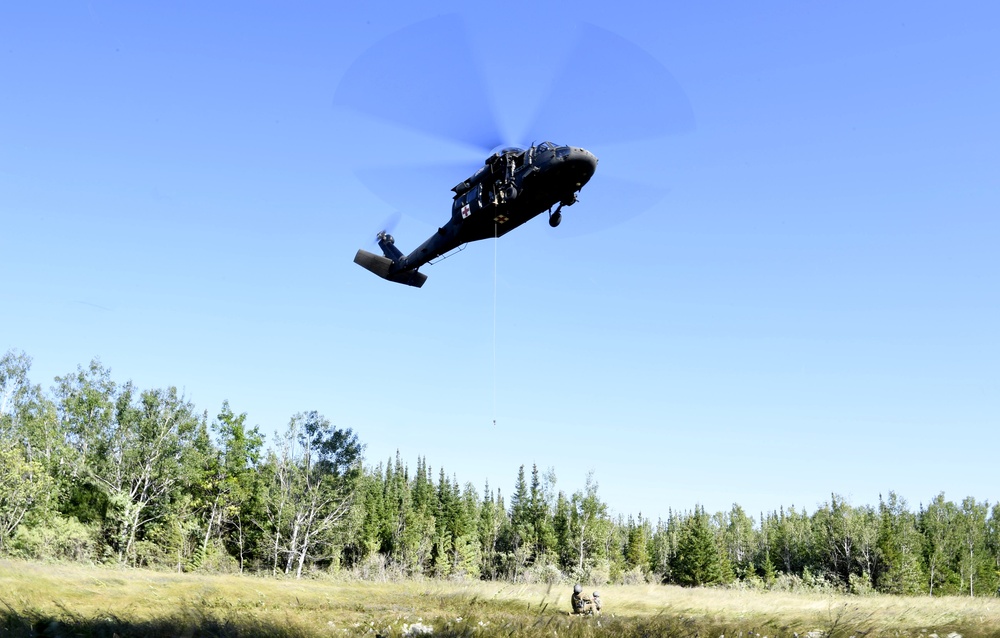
column 73, row 600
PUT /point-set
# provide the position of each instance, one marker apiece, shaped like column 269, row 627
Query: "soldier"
column 597, row 602
column 580, row 603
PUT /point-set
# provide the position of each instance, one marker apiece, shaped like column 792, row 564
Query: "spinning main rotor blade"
column 424, row 189
column 607, row 202
column 587, row 87
column 424, row 77
column 609, row 90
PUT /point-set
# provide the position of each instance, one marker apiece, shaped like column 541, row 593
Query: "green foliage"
column 638, row 551
column 938, row 527
column 901, row 547
column 104, row 471
column 54, row 539
column 698, row 560
column 740, row 540
column 25, row 490
column 314, row 479
column 589, row 525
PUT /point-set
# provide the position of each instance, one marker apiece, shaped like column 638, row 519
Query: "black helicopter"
column 513, row 186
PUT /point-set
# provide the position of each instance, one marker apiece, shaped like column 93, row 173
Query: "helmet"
column 597, row 595
column 577, row 588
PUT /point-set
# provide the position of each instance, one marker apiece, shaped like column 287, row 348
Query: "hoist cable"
column 496, row 235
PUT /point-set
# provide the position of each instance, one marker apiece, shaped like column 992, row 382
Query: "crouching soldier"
column 580, row 603
column 596, row 602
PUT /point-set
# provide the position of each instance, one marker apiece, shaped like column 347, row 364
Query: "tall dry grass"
column 65, row 600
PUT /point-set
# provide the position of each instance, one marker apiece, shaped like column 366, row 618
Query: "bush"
column 543, row 573
column 597, row 573
column 861, row 584
column 786, row 582
column 59, row 538
column 380, row 569
column 634, row 576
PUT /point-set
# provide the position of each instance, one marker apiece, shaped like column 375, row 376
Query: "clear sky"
column 782, row 281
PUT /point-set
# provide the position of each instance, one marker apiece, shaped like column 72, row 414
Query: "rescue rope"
column 496, row 235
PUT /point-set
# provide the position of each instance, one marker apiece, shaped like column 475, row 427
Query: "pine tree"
column 490, row 521
column 637, row 547
column 562, row 528
column 521, row 517
column 542, row 532
column 698, row 561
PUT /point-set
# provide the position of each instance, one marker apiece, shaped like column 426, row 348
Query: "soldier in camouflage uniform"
column 580, row 603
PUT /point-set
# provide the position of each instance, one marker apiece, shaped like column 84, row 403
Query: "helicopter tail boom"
column 382, row 266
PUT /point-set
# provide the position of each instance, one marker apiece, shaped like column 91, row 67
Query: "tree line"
column 100, row 471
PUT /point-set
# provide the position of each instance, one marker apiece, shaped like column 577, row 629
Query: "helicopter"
column 513, row 186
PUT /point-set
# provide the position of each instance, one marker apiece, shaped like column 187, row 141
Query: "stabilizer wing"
column 382, row 266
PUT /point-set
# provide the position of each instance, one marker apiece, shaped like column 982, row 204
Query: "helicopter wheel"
column 555, row 218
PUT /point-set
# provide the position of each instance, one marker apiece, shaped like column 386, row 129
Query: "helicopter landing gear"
column 556, row 217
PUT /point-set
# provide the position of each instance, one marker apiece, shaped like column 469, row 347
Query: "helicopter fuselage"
column 513, row 186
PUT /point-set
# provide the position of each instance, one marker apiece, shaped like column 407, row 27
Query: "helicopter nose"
column 583, row 160
column 589, row 158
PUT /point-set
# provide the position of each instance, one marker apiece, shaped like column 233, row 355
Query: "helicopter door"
column 468, row 204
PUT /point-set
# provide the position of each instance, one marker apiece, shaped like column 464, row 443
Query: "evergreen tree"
column 563, row 531
column 419, row 539
column 490, row 521
column 374, row 530
column 468, row 549
column 698, row 560
column 664, row 549
column 522, row 537
column 638, row 550
column 542, row 532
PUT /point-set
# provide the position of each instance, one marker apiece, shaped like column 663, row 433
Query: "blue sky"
column 788, row 288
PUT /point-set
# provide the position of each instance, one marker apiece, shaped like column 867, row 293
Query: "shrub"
column 634, row 576
column 543, row 573
column 58, row 538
